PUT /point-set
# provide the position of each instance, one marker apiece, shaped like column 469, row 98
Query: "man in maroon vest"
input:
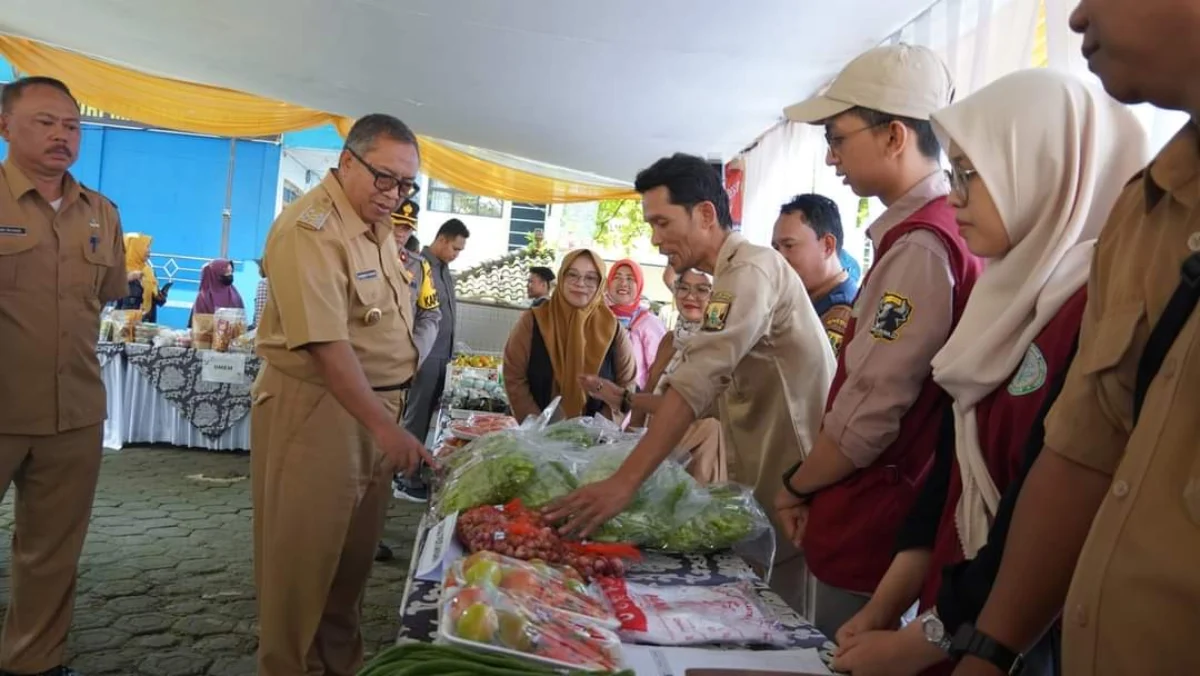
column 845, row 502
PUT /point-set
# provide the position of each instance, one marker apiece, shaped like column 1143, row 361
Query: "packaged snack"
column 202, row 331
column 228, row 325
column 729, row 614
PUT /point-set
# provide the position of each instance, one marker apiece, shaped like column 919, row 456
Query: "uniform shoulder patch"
column 1030, row 375
column 716, row 313
column 316, row 214
column 836, row 320
column 893, row 312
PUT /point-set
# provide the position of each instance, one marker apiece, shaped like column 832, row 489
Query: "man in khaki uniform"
column 62, row 257
column 1115, row 499
column 761, row 348
column 326, row 435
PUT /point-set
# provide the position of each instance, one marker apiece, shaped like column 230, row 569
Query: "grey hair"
column 369, row 129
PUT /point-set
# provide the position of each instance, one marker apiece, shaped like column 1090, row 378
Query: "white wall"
column 489, row 236
column 303, row 168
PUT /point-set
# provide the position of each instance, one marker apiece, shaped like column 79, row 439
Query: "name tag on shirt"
column 12, row 231
column 366, row 274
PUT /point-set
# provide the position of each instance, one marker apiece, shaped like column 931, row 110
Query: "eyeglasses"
column 835, row 142
column 385, row 182
column 960, row 183
column 590, row 281
column 698, row 290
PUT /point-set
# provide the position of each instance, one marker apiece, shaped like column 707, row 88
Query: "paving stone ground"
column 166, row 583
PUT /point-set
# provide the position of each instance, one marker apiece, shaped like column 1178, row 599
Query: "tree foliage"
column 621, row 224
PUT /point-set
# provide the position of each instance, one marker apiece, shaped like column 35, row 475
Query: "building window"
column 290, row 192
column 447, row 200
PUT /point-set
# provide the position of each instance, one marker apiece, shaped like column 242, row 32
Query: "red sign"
column 734, row 182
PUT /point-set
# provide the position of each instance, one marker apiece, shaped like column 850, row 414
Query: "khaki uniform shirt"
column 884, row 376
column 57, row 268
column 335, row 278
column 763, row 349
column 1134, row 604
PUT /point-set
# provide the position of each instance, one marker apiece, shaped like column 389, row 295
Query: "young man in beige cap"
column 845, row 502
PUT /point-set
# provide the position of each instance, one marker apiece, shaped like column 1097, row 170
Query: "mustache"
column 60, row 147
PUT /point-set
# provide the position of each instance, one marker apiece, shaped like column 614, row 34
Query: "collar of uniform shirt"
column 19, row 184
column 352, row 224
column 925, row 191
column 1175, row 170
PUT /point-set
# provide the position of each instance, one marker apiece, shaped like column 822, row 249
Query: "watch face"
column 935, row 631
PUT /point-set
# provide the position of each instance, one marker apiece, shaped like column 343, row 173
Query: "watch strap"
column 970, row 641
column 787, row 483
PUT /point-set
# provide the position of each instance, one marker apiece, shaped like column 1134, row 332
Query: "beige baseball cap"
column 903, row 80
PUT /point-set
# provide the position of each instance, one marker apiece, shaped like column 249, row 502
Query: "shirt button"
column 1081, row 615
column 1194, row 242
column 1120, row 489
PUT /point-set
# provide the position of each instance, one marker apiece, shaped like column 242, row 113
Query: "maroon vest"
column 1005, row 418
column 852, row 525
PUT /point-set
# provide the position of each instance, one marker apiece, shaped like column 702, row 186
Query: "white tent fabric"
column 602, row 87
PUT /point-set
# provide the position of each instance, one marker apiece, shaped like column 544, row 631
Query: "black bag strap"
column 1173, row 318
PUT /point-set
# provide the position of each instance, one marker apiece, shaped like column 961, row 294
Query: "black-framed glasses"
column 960, row 183
column 385, row 182
column 835, row 141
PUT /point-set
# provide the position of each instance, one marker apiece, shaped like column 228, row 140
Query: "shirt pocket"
column 16, row 262
column 1109, row 357
column 97, row 259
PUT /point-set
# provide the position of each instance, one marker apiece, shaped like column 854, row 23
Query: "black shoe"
column 382, row 553
column 411, row 491
column 56, row 671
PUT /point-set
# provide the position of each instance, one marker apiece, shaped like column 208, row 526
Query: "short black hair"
column 453, row 229
column 13, row 90
column 412, row 244
column 820, row 212
column 367, row 130
column 927, row 141
column 545, row 273
column 690, row 180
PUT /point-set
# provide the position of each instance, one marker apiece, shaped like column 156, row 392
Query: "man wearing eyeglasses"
column 844, row 504
column 326, row 436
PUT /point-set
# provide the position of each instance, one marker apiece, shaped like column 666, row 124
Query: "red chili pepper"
column 618, row 549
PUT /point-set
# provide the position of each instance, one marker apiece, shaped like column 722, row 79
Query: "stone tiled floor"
column 166, row 582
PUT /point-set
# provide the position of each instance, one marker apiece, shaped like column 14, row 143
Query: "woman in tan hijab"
column 1037, row 159
column 704, row 442
column 572, row 335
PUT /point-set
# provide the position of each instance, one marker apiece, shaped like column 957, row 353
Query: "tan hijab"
column 576, row 338
column 1054, row 153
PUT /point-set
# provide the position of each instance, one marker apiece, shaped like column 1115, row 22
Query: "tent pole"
column 227, row 213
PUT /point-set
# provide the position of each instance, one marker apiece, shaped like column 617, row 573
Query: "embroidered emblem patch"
column 1031, row 374
column 717, row 311
column 893, row 313
column 316, row 214
column 835, row 341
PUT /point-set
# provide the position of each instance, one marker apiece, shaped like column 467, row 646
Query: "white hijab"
column 1054, row 154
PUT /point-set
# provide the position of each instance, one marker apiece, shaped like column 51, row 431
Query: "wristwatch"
column 935, row 631
column 970, row 641
column 626, row 401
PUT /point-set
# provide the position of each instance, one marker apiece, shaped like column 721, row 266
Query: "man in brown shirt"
column 1114, row 501
column 808, row 234
column 62, row 257
column 326, row 434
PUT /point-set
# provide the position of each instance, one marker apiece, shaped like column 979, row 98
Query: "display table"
column 160, row 395
column 419, row 603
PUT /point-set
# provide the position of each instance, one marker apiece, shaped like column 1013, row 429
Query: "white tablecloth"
column 139, row 414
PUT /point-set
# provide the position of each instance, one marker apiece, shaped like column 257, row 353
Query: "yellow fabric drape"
column 1041, row 56
column 205, row 109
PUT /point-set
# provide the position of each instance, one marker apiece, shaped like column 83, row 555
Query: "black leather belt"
column 394, row 388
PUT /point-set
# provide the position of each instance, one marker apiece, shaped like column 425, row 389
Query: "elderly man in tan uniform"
column 62, row 257
column 326, row 434
column 761, row 348
column 1106, row 530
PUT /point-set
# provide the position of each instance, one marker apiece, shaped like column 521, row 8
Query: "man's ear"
column 829, row 245
column 898, row 136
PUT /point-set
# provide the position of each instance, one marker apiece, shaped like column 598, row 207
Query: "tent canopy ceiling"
column 604, row 87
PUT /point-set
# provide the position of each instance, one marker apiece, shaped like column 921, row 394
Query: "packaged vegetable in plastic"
column 729, row 614
column 494, row 603
column 516, row 531
column 487, row 471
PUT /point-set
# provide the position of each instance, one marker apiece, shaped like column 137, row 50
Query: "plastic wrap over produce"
column 538, row 462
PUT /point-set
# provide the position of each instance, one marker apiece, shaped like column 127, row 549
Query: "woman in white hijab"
column 1037, row 159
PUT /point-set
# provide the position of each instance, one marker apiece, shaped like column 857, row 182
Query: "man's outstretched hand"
column 590, row 506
